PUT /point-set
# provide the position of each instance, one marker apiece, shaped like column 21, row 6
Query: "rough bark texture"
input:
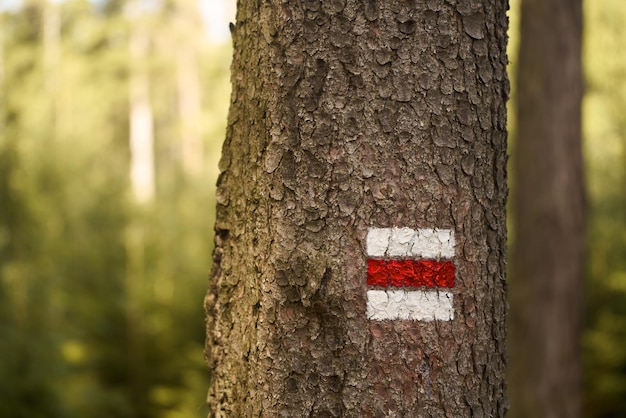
column 546, row 291
column 346, row 115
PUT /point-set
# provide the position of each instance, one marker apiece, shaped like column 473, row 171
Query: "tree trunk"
column 546, row 291
column 348, row 118
column 51, row 45
column 190, row 111
column 51, row 42
column 188, row 29
column 142, row 176
column 141, row 117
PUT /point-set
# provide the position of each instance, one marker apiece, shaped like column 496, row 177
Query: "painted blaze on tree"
column 348, row 117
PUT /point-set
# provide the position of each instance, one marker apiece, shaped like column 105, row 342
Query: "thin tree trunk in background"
column 142, row 177
column 190, row 111
column 51, row 33
column 189, row 89
column 546, row 290
column 347, row 116
column 51, row 43
column 135, row 276
column 141, row 118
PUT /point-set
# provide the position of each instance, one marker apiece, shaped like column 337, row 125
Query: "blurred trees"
column 67, row 216
column 101, row 298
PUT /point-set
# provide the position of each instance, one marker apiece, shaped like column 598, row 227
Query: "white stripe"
column 415, row 305
column 407, row 242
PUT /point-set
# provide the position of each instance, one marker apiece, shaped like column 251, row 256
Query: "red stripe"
column 410, row 273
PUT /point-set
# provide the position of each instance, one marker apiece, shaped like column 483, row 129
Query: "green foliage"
column 100, row 299
column 605, row 142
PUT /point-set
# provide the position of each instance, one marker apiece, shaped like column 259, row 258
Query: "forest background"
column 101, row 282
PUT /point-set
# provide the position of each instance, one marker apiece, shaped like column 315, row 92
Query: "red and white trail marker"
column 409, row 274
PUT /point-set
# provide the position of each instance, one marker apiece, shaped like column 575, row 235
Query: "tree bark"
column 345, row 116
column 546, row 291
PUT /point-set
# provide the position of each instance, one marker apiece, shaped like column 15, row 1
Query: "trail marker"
column 409, row 274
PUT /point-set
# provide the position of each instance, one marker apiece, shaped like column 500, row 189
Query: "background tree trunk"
column 51, row 43
column 141, row 116
column 546, row 291
column 188, row 86
column 143, row 185
column 348, row 115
